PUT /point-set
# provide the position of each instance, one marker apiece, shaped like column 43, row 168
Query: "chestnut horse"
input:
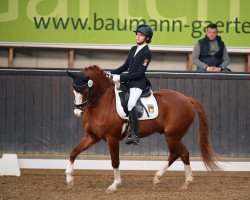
column 94, row 92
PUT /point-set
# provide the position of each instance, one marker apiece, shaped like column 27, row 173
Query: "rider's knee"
column 130, row 106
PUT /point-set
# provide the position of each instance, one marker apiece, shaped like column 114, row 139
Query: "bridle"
column 87, row 88
column 83, row 89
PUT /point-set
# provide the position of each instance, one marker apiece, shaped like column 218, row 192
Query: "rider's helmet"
column 145, row 30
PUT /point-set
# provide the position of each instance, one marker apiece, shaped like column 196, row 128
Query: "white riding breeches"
column 135, row 94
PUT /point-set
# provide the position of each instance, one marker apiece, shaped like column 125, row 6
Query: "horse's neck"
column 106, row 95
column 100, row 89
column 104, row 103
column 101, row 84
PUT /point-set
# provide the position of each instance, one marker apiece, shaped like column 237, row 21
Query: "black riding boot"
column 133, row 119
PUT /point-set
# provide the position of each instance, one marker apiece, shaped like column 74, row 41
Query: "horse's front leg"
column 113, row 144
column 86, row 142
column 117, row 181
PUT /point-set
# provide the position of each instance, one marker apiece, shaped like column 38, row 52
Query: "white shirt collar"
column 139, row 47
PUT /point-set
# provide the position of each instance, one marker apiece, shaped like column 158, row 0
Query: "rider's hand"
column 217, row 69
column 116, row 78
column 108, row 74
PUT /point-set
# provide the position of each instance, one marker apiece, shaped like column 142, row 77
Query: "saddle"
column 146, row 105
column 124, row 97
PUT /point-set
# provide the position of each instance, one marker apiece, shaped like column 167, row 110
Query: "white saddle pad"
column 150, row 104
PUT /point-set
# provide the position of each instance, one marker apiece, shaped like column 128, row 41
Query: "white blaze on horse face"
column 78, row 98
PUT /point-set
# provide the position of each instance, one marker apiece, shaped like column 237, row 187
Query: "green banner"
column 178, row 23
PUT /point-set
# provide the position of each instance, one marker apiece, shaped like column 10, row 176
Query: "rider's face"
column 140, row 38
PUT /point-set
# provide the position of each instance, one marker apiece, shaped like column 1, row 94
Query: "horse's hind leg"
column 86, row 142
column 184, row 155
column 176, row 150
column 173, row 156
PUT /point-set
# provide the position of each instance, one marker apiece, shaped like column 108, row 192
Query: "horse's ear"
column 72, row 74
column 90, row 83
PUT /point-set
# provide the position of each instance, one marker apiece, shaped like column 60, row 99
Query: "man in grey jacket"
column 210, row 53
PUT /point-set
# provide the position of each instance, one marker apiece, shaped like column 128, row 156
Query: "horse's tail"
column 207, row 153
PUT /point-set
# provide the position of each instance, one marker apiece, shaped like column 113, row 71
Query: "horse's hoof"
column 185, row 185
column 70, row 184
column 70, row 181
column 111, row 189
column 156, row 181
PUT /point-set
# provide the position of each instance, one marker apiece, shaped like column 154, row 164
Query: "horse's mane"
column 93, row 67
column 95, row 71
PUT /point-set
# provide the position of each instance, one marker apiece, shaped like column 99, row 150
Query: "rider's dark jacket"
column 136, row 66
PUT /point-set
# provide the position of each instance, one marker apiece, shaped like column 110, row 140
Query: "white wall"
column 106, row 59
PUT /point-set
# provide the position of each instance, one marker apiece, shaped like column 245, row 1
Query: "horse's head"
column 80, row 81
column 88, row 85
column 82, row 85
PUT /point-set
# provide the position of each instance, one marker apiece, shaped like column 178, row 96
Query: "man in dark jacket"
column 137, row 62
column 210, row 53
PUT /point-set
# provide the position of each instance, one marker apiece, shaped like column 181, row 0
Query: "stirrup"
column 132, row 139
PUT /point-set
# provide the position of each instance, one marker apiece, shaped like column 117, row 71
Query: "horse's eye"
column 78, row 90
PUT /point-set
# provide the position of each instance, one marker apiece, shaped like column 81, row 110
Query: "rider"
column 137, row 62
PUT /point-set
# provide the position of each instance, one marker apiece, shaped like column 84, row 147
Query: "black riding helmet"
column 145, row 30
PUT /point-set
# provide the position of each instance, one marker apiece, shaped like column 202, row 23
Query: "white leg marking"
column 160, row 173
column 188, row 177
column 117, row 181
column 69, row 174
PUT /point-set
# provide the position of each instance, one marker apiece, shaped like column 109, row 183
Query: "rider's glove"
column 116, row 78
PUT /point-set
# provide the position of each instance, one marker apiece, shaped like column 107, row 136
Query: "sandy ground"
column 92, row 184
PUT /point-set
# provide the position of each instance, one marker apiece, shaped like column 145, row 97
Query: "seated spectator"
column 210, row 53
